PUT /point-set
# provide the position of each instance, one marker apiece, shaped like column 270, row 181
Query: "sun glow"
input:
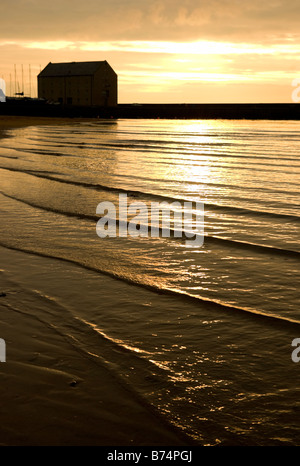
column 207, row 71
column 184, row 48
column 180, row 62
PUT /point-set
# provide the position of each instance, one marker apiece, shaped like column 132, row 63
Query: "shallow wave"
column 174, row 234
column 234, row 165
column 153, row 196
column 167, row 148
column 45, row 152
column 215, row 304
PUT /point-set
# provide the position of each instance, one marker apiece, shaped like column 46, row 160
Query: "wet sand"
column 9, row 122
column 51, row 392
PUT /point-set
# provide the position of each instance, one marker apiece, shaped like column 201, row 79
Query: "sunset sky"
column 170, row 51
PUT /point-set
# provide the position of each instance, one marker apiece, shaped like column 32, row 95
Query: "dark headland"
column 259, row 111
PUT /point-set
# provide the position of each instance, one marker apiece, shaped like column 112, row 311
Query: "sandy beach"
column 143, row 340
column 52, row 393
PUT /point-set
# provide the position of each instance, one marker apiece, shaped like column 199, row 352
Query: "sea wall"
column 35, row 107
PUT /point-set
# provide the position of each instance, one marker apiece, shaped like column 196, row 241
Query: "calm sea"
column 202, row 334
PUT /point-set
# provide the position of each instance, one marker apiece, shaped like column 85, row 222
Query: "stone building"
column 79, row 84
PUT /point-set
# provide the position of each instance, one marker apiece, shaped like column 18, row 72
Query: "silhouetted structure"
column 79, row 84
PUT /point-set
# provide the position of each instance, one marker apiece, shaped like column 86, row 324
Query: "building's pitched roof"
column 87, row 68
